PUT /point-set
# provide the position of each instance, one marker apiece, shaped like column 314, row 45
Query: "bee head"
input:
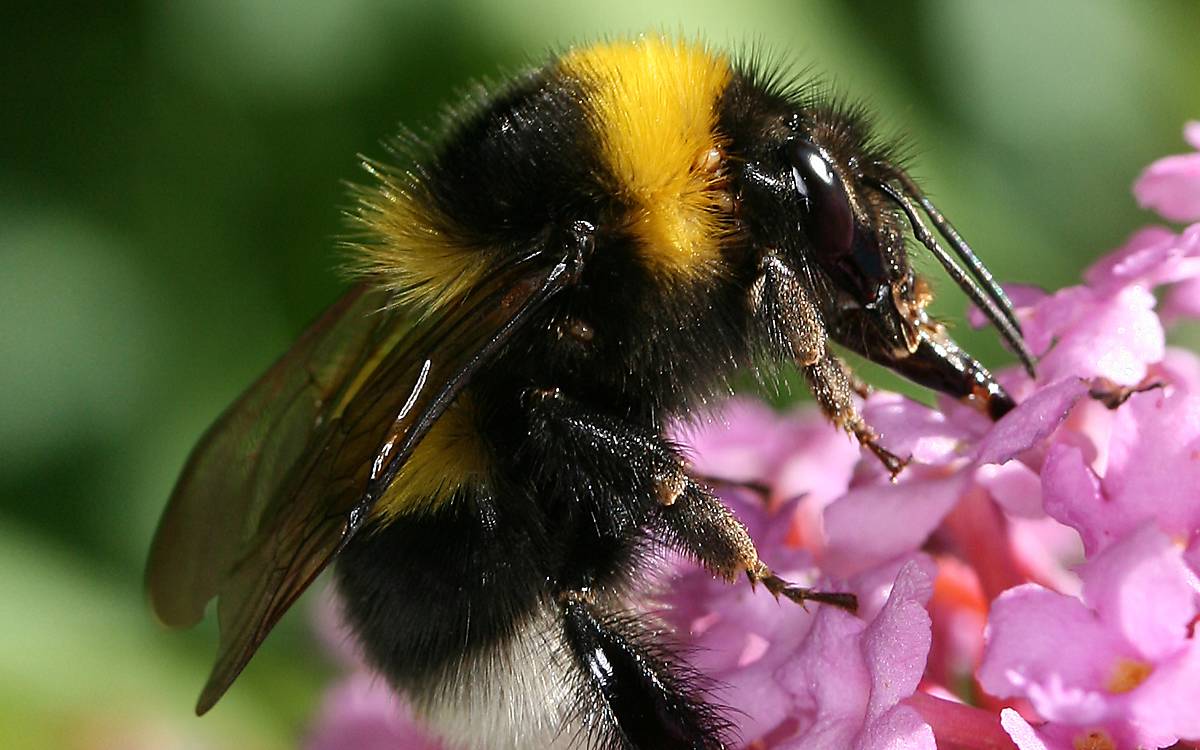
column 856, row 239
column 821, row 192
column 811, row 192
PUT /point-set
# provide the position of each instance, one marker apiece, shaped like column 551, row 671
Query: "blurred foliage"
column 171, row 181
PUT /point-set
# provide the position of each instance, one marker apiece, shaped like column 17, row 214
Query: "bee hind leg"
column 637, row 696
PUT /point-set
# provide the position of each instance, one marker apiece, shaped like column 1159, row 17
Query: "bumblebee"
column 474, row 432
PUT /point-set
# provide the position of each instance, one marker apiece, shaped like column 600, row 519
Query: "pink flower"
column 848, row 678
column 1085, row 333
column 952, row 451
column 1182, row 299
column 739, row 636
column 815, row 678
column 1108, row 327
column 1143, row 466
column 795, row 455
column 1154, row 256
column 1054, row 737
column 1121, row 659
column 1171, row 186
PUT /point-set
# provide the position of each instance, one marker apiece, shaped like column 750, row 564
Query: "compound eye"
column 828, row 218
column 850, row 254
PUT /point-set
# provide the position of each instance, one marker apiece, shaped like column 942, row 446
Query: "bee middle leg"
column 656, row 488
column 626, row 479
column 699, row 524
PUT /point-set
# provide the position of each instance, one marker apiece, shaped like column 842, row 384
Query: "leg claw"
column 799, row 594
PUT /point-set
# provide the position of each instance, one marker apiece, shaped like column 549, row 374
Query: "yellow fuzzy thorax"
column 653, row 105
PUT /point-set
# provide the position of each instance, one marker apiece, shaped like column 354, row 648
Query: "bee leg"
column 637, row 696
column 833, row 390
column 698, row 523
column 861, row 387
column 656, row 489
column 785, row 309
column 786, row 312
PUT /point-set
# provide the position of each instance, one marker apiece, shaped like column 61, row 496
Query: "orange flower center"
column 1093, row 739
column 1128, row 674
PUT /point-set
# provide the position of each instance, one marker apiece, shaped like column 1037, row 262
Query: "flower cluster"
column 1030, row 583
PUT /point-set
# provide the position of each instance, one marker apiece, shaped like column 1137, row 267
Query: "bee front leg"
column 785, row 310
column 834, row 392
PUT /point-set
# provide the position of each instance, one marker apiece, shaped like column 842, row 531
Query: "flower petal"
column 908, row 428
column 829, row 681
column 1096, row 335
column 1171, row 187
column 1141, row 587
column 895, row 645
column 1071, row 495
column 1148, row 257
column 901, row 728
column 848, row 676
column 1191, row 133
column 1042, row 645
column 1014, row 486
column 875, row 523
column 1031, row 422
column 1164, row 708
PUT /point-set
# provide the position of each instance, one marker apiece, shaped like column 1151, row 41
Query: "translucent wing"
column 246, row 455
column 293, row 496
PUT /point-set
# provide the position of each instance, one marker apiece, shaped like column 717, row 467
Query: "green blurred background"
column 171, row 182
